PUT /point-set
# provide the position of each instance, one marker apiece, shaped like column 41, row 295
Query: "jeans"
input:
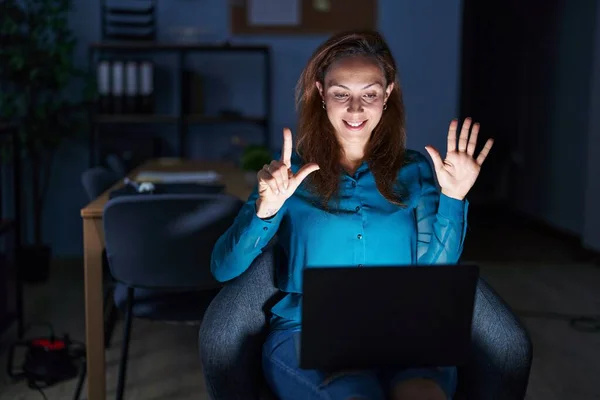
column 289, row 382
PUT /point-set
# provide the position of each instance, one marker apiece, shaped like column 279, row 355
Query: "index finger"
column 286, row 154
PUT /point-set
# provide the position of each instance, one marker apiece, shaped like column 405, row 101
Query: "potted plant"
column 36, row 71
column 254, row 157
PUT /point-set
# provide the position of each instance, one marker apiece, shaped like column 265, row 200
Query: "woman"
column 351, row 195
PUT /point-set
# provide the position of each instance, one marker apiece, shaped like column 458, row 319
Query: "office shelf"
column 189, row 119
column 182, row 120
column 176, row 47
column 134, row 118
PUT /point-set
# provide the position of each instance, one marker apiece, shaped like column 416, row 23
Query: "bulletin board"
column 311, row 16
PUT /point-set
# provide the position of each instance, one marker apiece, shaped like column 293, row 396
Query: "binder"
column 118, row 87
column 146, row 74
column 103, row 72
column 132, row 88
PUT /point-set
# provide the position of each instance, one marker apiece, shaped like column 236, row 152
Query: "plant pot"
column 34, row 263
column 5, row 289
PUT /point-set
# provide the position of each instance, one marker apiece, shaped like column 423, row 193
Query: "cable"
column 35, row 386
column 81, row 380
column 42, row 393
column 585, row 324
column 549, row 315
column 77, row 351
column 581, row 323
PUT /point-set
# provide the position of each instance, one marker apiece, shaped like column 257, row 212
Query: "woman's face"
column 354, row 92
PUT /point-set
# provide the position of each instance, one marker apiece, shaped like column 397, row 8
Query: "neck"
column 353, row 151
column 352, row 157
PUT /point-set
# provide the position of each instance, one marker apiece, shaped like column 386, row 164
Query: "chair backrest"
column 97, row 180
column 166, row 241
column 116, row 164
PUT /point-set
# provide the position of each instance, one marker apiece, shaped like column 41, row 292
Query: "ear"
column 388, row 90
column 320, row 88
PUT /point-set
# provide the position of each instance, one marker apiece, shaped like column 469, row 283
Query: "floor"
column 544, row 278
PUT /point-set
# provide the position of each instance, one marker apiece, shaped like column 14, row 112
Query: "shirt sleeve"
column 245, row 239
column 441, row 222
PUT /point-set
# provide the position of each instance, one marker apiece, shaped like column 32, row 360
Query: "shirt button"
column 265, row 228
column 357, row 208
column 359, row 236
column 360, row 265
column 353, row 184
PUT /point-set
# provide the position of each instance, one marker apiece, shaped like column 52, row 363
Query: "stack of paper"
column 178, row 177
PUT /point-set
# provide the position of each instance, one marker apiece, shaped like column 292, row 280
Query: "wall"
column 591, row 223
column 555, row 111
column 424, row 37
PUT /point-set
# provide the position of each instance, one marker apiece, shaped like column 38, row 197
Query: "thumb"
column 304, row 172
column 435, row 157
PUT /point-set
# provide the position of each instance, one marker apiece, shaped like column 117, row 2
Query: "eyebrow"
column 333, row 83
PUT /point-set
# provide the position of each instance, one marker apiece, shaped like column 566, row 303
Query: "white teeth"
column 355, row 125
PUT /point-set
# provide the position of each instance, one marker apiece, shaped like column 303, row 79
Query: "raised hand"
column 458, row 172
column 277, row 182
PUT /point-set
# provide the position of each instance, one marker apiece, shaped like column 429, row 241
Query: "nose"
column 355, row 106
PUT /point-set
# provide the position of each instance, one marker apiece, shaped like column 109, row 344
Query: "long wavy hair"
column 316, row 140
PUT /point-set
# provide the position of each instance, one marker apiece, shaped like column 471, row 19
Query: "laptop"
column 387, row 317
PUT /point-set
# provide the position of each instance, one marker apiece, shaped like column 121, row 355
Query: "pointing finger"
column 286, row 154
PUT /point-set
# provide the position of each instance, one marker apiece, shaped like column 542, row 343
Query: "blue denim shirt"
column 362, row 229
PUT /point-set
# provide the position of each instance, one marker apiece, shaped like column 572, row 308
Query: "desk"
column 93, row 245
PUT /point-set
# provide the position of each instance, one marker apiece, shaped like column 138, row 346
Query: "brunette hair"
column 317, row 142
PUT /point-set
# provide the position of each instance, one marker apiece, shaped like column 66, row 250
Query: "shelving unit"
column 182, row 120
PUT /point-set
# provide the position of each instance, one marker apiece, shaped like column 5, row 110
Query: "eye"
column 370, row 96
column 340, row 96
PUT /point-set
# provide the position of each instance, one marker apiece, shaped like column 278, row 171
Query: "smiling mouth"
column 355, row 126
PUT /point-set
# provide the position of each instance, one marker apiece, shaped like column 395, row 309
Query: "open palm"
column 458, row 172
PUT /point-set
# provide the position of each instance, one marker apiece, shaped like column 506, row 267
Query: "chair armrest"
column 501, row 353
column 234, row 329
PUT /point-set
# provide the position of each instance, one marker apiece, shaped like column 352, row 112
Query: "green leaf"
column 36, row 58
column 17, row 62
column 254, row 157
